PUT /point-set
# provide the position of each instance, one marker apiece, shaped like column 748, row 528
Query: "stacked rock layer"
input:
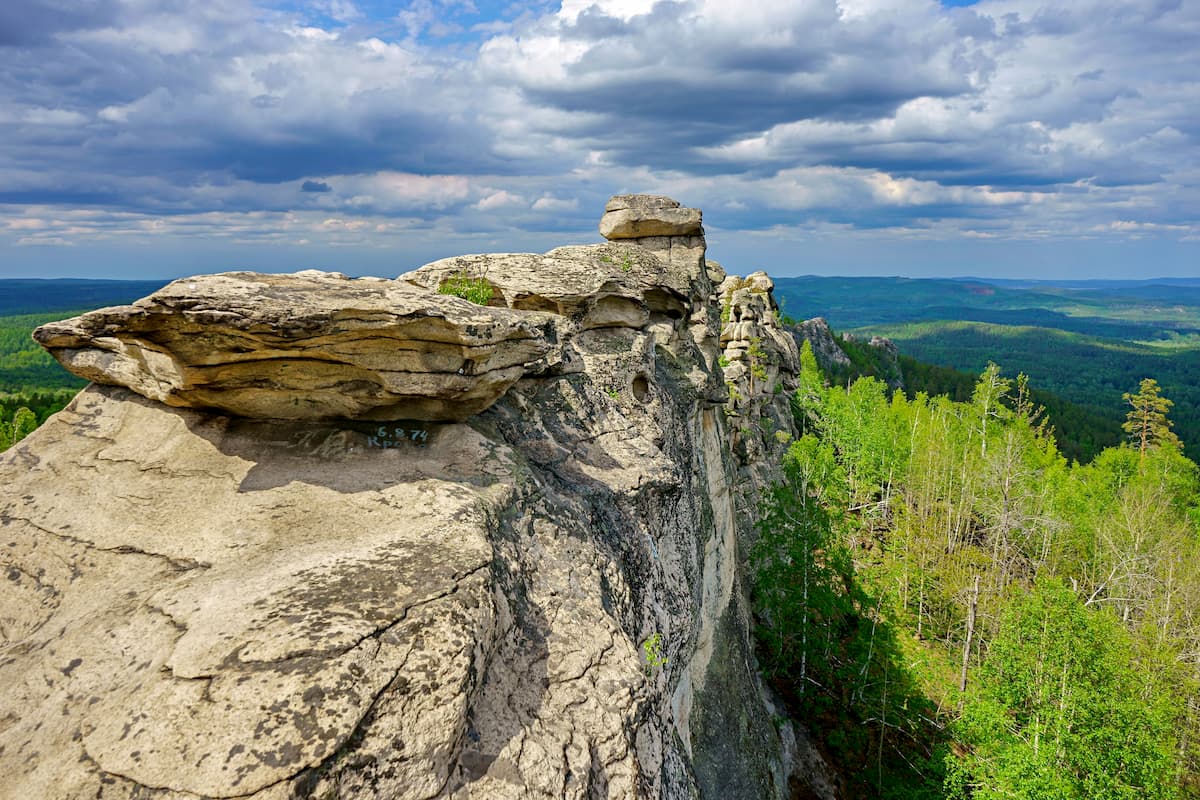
column 308, row 536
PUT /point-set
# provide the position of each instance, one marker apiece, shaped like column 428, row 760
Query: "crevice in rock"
column 178, row 564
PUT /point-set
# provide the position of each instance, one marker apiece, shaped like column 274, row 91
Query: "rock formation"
column 307, row 536
column 306, row 346
column 817, row 333
column 878, row 357
column 760, row 364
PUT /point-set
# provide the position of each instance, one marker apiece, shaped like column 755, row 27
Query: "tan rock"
column 206, row 605
column 305, row 346
column 612, row 285
column 236, row 596
column 637, row 216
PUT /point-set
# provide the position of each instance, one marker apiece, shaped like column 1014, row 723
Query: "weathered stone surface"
column 598, row 286
column 820, row 337
column 204, row 605
column 231, row 598
column 638, row 216
column 304, row 346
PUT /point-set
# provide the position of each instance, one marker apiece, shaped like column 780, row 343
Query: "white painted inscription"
column 397, row 436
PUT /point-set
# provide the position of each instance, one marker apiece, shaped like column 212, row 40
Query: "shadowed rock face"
column 304, row 346
column 206, row 604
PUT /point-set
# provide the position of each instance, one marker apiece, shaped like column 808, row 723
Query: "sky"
column 1003, row 138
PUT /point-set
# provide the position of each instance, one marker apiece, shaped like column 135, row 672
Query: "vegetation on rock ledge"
column 477, row 290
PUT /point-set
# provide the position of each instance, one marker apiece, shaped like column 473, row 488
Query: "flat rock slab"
column 305, row 346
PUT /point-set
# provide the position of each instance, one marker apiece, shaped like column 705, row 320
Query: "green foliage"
column 757, row 359
column 1059, row 714
column 652, row 651
column 1116, row 312
column 1090, row 372
column 1084, row 343
column 1063, row 596
column 18, row 424
column 30, row 378
column 24, row 366
column 1080, row 433
column 865, row 361
column 1147, row 423
column 477, row 290
column 823, row 642
column 811, row 391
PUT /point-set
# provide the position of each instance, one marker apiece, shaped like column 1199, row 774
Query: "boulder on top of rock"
column 600, row 286
column 305, row 346
column 639, row 216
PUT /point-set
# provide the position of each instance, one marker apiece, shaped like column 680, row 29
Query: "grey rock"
column 820, row 337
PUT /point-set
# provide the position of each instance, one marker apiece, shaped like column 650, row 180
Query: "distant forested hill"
column 29, row 377
column 1118, row 309
column 1087, row 342
column 36, row 296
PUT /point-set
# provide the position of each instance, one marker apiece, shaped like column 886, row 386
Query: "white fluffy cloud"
column 1006, row 120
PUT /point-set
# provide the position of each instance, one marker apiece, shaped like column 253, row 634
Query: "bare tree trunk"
column 972, row 609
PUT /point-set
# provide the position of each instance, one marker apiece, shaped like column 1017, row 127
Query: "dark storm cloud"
column 35, row 22
column 185, row 96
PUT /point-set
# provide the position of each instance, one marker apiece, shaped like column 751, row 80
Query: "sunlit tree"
column 1147, row 422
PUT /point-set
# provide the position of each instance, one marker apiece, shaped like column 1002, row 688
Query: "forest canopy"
column 966, row 614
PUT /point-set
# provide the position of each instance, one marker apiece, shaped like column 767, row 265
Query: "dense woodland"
column 32, row 384
column 1080, row 432
column 1092, row 373
column 958, row 611
column 1082, row 343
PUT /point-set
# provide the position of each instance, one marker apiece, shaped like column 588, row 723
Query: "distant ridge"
column 1098, row 285
column 42, row 295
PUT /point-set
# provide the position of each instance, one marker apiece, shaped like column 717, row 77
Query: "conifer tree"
column 1147, row 422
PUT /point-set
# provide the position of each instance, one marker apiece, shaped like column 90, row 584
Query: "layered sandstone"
column 304, row 346
column 530, row 582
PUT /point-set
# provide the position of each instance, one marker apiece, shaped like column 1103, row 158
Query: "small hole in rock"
column 641, row 388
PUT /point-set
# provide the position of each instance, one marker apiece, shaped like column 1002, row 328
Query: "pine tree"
column 1147, row 422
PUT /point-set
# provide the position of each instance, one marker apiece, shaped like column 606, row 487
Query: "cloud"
column 1008, row 119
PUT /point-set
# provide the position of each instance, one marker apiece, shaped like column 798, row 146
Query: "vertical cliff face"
column 317, row 537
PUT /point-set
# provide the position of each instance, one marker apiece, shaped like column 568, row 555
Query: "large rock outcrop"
column 878, row 357
column 305, row 346
column 533, row 590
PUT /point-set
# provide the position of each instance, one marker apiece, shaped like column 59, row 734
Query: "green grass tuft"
column 476, row 290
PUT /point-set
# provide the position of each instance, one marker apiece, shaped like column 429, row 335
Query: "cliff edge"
column 311, row 536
